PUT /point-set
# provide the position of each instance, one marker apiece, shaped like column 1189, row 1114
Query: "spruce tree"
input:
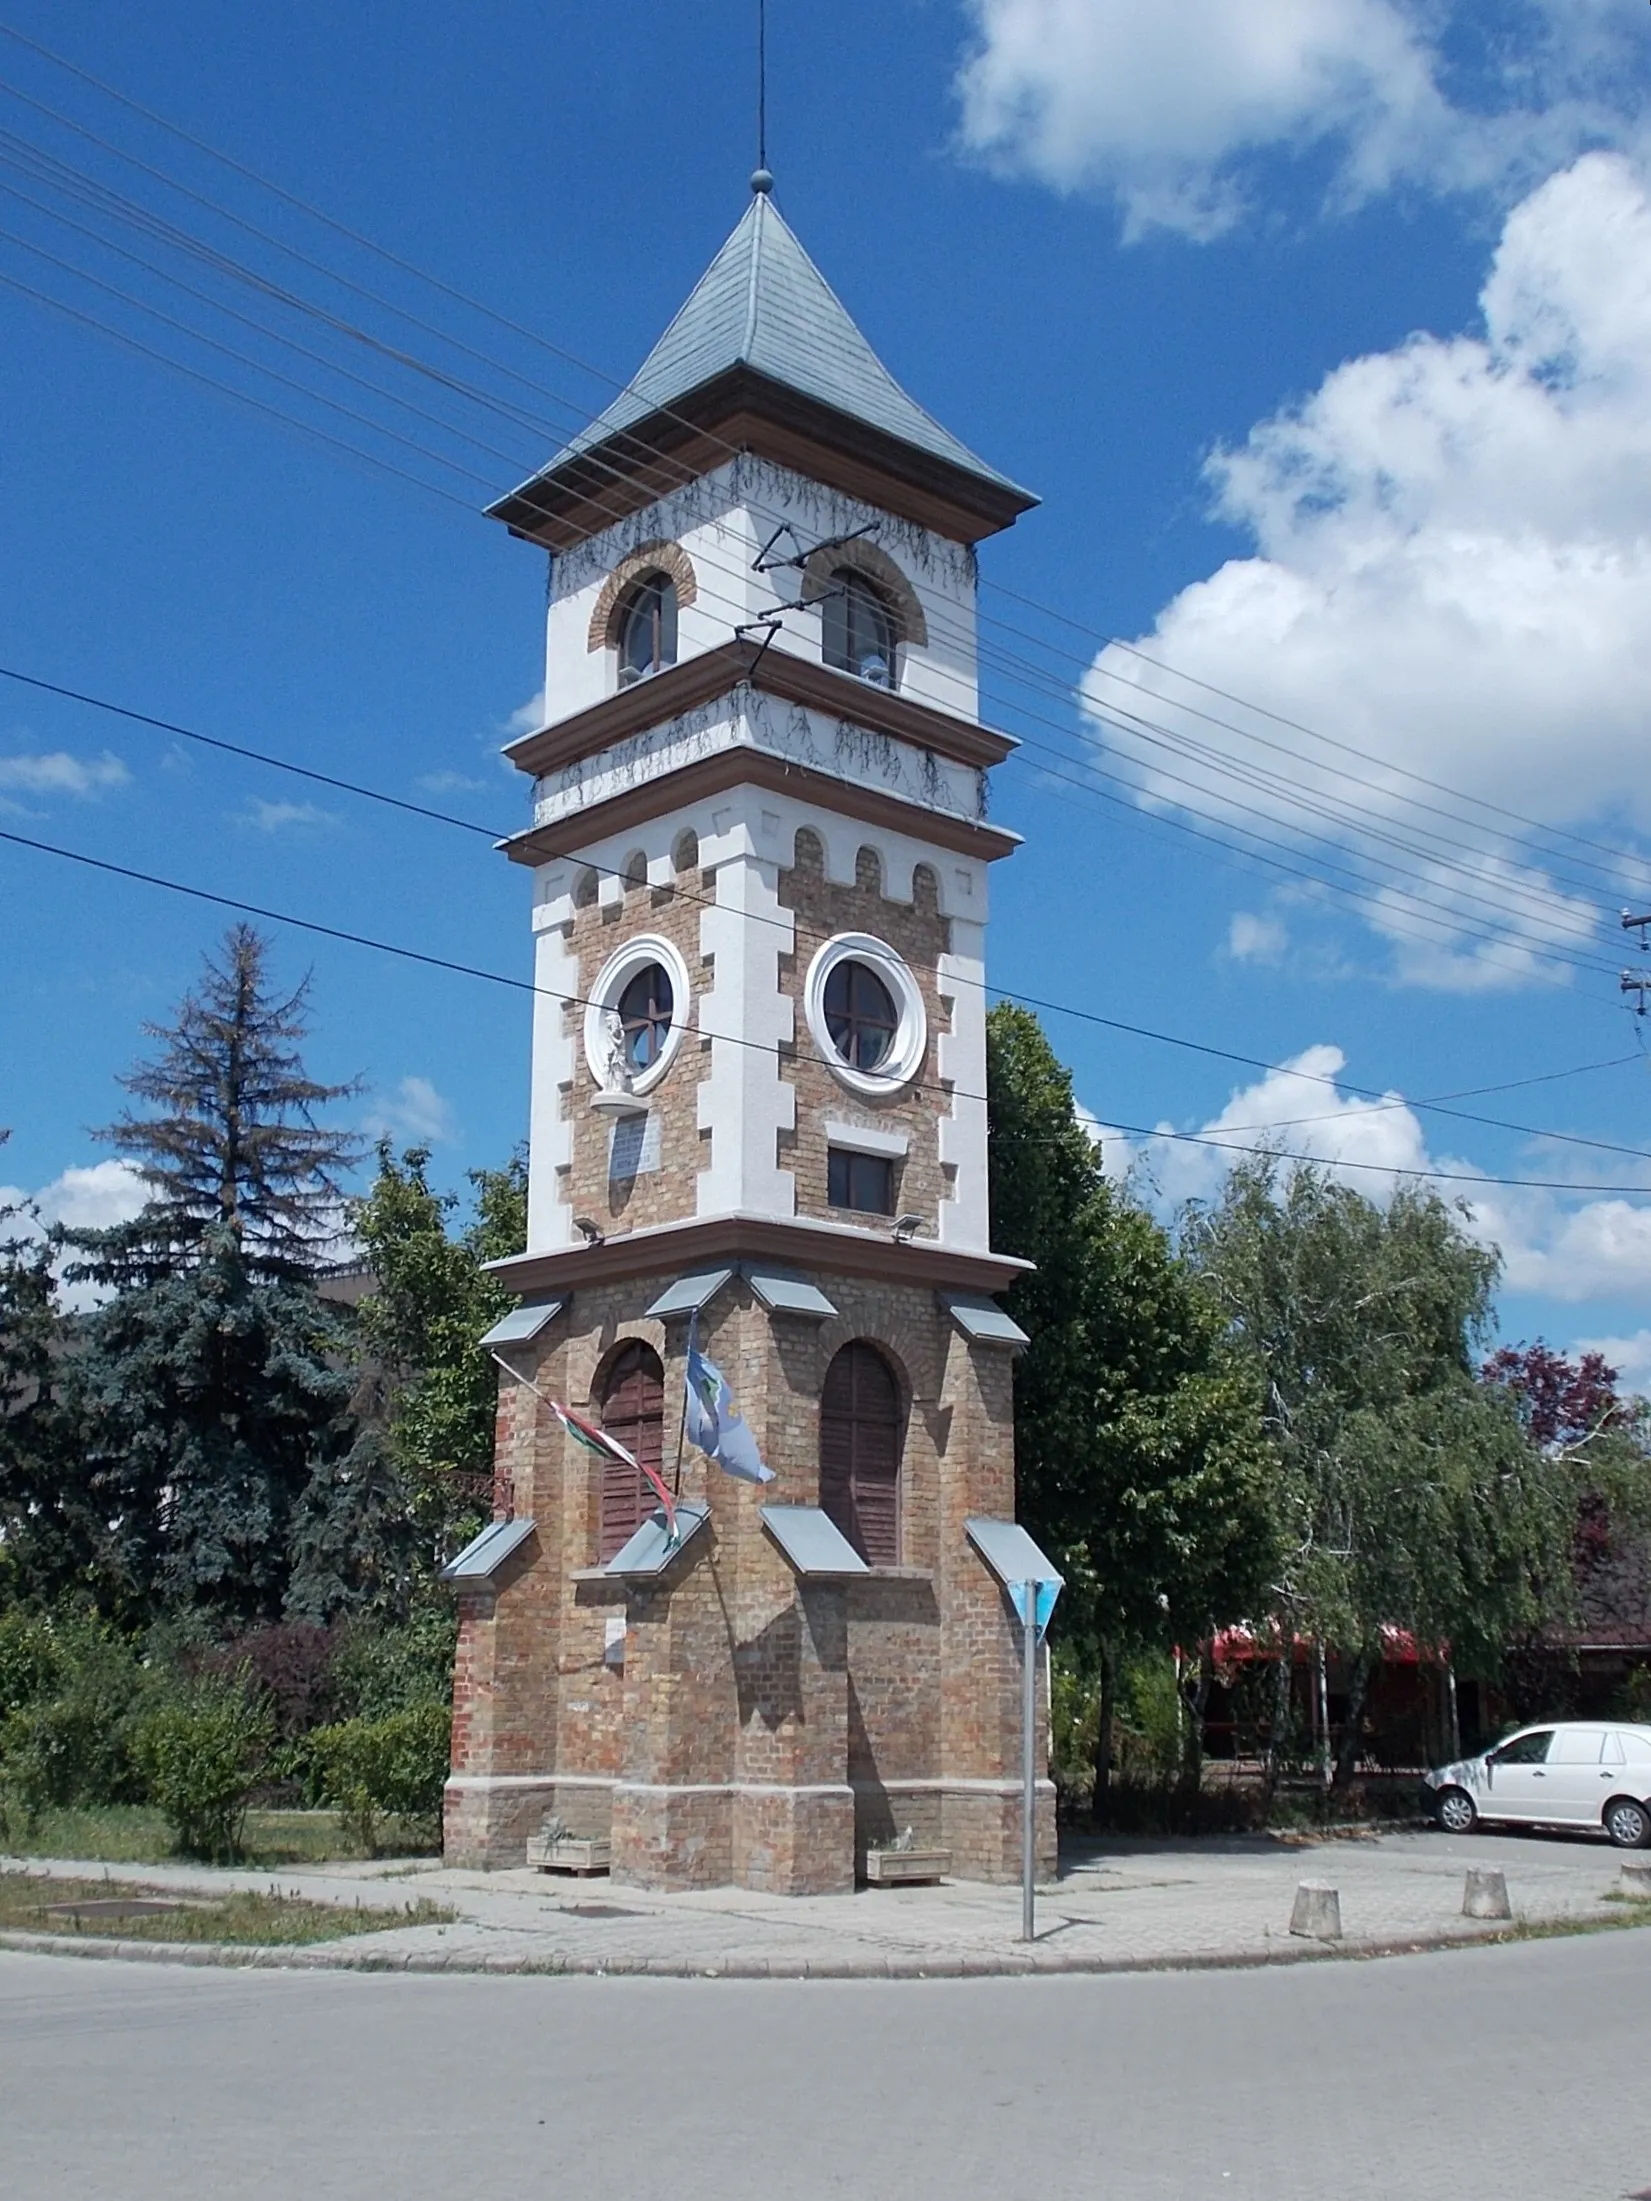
column 233, row 1142
column 212, row 1387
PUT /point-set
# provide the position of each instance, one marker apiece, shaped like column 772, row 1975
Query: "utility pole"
column 1637, row 982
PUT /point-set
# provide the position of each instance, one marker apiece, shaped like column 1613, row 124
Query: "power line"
column 538, row 339
column 1385, row 1169
column 1418, row 909
column 1424, row 909
column 793, row 930
column 1616, row 856
column 225, row 389
column 526, row 985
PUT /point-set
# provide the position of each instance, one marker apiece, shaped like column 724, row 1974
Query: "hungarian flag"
column 609, row 1448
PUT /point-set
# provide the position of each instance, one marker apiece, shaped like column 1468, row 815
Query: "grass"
column 1628, row 1911
column 132, row 1834
column 107, row 1910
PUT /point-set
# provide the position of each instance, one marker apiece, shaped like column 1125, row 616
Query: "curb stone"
column 1009, row 1963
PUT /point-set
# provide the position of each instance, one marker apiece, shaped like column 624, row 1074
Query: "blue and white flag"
column 712, row 1423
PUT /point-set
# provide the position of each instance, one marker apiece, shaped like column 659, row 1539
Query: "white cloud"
column 91, row 1198
column 528, row 717
column 1453, row 560
column 415, row 1114
column 1256, row 939
column 450, row 783
column 1172, row 105
column 56, row 772
column 276, row 817
column 1569, row 1247
column 1629, row 1356
column 1292, row 1107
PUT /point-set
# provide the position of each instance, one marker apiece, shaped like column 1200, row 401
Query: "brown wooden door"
column 633, row 1410
column 860, row 1442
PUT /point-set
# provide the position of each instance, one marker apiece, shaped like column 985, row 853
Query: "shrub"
column 70, row 1691
column 202, row 1752
column 379, row 1670
column 30, row 1659
column 371, row 1770
column 1151, row 1720
column 1075, row 1712
column 292, row 1662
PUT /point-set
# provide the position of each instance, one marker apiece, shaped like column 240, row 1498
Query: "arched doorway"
column 861, row 1427
column 633, row 1410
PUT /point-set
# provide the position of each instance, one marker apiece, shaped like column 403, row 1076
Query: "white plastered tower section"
column 719, row 526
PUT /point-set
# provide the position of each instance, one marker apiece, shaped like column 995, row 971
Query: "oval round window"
column 860, row 1015
column 645, row 1009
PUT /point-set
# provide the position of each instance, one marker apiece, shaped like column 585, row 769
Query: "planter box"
column 568, row 1853
column 896, row 1868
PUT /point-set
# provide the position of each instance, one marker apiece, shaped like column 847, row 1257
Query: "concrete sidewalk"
column 1118, row 1905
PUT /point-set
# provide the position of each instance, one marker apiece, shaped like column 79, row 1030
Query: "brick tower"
column 760, row 851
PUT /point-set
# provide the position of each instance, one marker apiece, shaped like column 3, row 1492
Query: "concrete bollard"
column 1486, row 1893
column 1317, row 1912
column 1636, row 1880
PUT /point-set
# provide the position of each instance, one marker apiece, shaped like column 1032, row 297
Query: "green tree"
column 37, row 1538
column 207, row 1402
column 210, row 1389
column 1139, row 1458
column 1411, row 1495
column 432, row 1302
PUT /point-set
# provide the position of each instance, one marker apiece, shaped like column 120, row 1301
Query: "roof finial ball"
column 762, row 182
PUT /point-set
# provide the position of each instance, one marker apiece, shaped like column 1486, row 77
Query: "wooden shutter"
column 633, row 1410
column 860, row 1444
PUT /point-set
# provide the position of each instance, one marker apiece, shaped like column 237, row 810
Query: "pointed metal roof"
column 762, row 308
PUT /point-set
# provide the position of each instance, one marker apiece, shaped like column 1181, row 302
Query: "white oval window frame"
column 911, row 1037
column 616, row 974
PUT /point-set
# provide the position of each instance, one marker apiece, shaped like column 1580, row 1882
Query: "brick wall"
column 759, row 1729
column 666, row 1194
column 920, row 935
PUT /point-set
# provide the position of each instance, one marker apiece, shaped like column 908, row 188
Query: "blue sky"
column 1323, row 329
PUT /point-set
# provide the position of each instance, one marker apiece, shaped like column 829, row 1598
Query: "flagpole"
column 682, row 1423
column 681, row 1435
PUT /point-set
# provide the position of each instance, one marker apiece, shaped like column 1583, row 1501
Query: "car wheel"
column 1456, row 1810
column 1628, row 1823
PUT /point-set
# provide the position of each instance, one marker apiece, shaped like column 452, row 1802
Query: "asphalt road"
column 1510, row 2072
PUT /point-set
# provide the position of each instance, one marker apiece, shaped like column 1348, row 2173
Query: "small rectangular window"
column 861, row 1181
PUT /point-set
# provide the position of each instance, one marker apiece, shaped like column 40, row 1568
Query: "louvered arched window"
column 633, row 1410
column 861, row 1429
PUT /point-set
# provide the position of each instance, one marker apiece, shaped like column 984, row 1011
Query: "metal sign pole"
column 1029, row 1761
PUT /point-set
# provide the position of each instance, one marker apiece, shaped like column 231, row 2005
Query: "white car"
column 1571, row 1773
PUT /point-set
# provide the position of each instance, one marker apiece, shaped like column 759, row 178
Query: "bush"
column 1074, row 1716
column 70, row 1691
column 292, row 1663
column 379, row 1670
column 1152, row 1720
column 371, row 1770
column 202, row 1752
column 30, row 1660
